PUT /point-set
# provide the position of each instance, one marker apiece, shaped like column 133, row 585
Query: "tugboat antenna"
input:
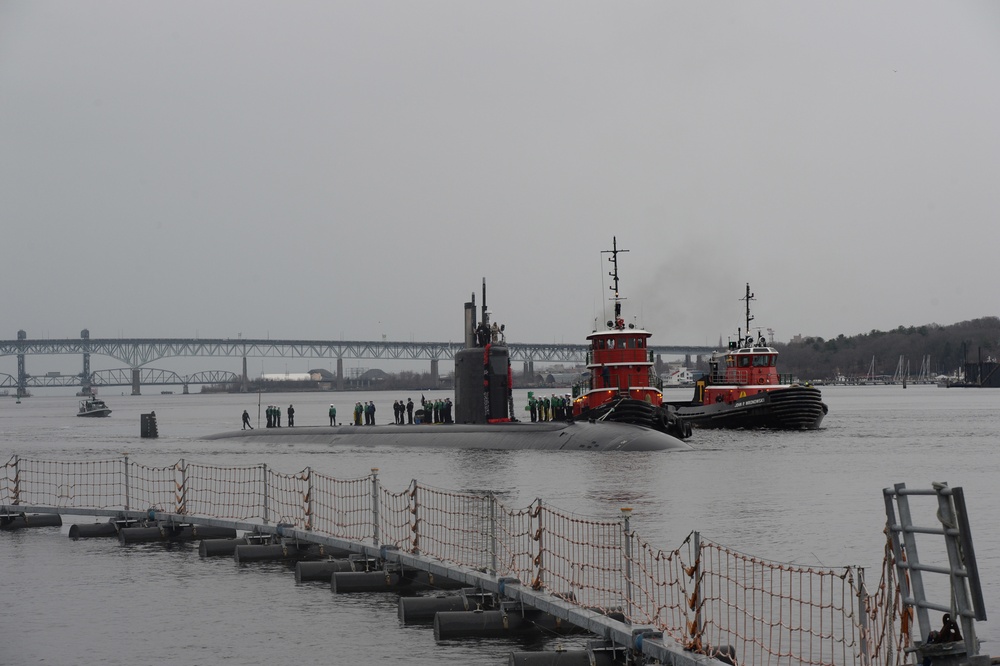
column 617, row 323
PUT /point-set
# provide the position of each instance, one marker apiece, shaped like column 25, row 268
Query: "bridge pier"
column 85, row 375
column 135, row 381
column 22, row 375
column 340, row 374
column 22, row 378
column 243, row 378
column 434, row 373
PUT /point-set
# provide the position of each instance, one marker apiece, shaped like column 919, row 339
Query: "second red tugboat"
column 743, row 389
column 622, row 384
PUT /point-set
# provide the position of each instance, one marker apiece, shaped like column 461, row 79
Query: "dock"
column 521, row 569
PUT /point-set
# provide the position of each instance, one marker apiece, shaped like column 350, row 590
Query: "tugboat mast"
column 749, row 297
column 618, row 322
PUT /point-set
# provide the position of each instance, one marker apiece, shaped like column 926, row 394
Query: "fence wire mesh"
column 341, row 508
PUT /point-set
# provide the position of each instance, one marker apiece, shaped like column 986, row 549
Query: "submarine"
column 484, row 416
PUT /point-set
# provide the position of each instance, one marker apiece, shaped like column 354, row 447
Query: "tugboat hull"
column 547, row 436
column 639, row 412
column 792, row 408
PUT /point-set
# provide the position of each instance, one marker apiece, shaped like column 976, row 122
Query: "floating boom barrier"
column 698, row 604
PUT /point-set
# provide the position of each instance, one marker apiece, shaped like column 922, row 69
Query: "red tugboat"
column 744, row 390
column 622, row 385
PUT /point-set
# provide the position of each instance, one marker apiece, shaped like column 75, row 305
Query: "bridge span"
column 137, row 353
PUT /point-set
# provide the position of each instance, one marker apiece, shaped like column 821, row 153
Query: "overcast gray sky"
column 347, row 170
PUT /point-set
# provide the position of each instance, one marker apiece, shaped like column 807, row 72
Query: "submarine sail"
column 483, row 378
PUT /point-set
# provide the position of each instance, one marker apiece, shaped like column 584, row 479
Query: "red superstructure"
column 619, row 365
column 741, row 371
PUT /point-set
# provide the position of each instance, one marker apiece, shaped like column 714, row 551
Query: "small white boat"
column 93, row 407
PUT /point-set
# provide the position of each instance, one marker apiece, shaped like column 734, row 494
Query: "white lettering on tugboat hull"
column 754, row 401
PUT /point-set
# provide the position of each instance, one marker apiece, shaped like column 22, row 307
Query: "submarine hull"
column 549, row 435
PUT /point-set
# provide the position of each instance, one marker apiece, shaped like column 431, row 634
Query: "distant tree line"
column 949, row 347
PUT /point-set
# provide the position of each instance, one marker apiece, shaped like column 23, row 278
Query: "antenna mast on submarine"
column 486, row 315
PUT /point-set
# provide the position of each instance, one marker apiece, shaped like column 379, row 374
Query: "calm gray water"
column 810, row 498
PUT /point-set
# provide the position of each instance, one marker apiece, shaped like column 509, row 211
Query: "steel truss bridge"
column 123, row 377
column 136, row 353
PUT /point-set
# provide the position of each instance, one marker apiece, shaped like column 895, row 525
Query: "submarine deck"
column 546, row 435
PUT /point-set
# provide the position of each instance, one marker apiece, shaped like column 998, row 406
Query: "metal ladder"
column 966, row 604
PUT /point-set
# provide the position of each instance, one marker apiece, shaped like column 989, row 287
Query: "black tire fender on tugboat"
column 671, row 424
